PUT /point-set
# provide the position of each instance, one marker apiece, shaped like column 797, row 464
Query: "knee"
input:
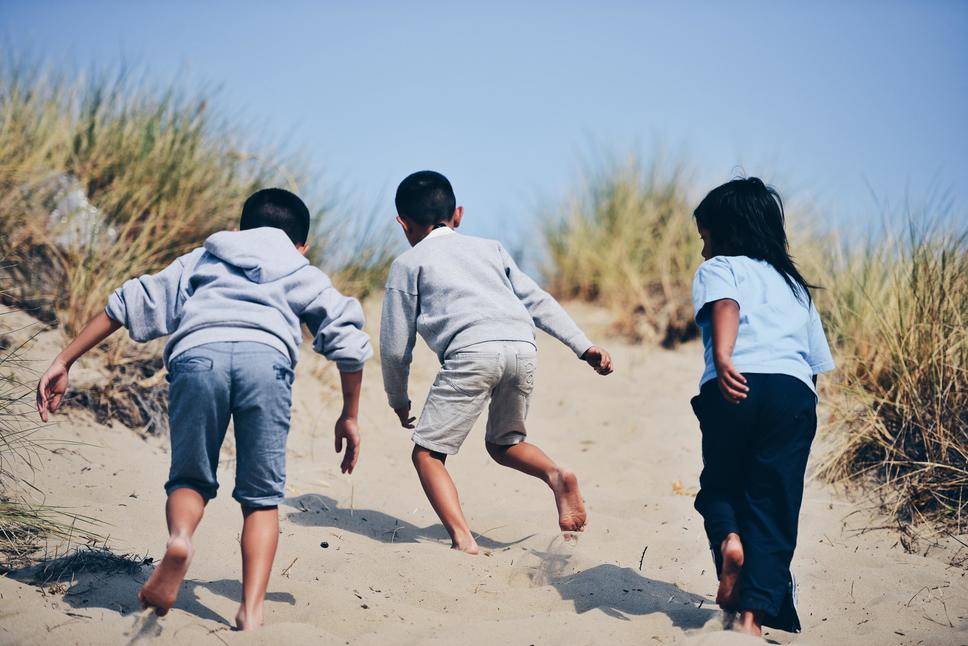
column 496, row 451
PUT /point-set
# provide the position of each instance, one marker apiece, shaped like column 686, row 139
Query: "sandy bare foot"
column 161, row 589
column 248, row 619
column 749, row 624
column 732, row 552
column 571, row 507
column 466, row 544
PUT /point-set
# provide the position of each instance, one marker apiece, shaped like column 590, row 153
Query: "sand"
column 641, row 573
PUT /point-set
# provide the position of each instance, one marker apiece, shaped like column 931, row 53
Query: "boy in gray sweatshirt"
column 472, row 305
column 232, row 310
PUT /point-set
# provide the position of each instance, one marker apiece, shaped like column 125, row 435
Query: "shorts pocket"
column 470, row 374
column 284, row 373
column 526, row 367
column 196, row 363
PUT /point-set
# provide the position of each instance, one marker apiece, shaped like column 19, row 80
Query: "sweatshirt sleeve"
column 548, row 315
column 398, row 334
column 336, row 323
column 150, row 306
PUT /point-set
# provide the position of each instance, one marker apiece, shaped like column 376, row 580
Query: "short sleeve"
column 819, row 357
column 714, row 281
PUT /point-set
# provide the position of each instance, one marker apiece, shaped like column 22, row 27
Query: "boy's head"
column 424, row 201
column 280, row 209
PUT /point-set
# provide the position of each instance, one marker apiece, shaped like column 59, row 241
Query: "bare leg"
column 183, row 510
column 749, row 623
column 527, row 458
column 732, row 552
column 260, row 536
column 440, row 489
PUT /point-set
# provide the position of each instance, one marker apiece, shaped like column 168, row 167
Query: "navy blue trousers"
column 754, row 461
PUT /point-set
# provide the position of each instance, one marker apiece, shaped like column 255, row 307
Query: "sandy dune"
column 639, row 574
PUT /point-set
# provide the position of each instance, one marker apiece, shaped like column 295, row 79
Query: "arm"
column 53, row 384
column 398, row 334
column 725, row 324
column 549, row 316
column 346, row 425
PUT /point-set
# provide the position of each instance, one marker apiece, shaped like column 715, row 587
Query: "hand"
column 346, row 429
column 406, row 421
column 51, row 388
column 599, row 359
column 732, row 383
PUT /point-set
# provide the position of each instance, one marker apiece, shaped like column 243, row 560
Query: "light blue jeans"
column 250, row 383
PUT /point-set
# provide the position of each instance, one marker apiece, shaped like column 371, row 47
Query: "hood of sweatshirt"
column 265, row 254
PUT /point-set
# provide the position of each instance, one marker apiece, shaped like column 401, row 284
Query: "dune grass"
column 625, row 240
column 26, row 526
column 109, row 179
column 895, row 309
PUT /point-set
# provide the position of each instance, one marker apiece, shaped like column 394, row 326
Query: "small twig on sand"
column 285, row 572
column 642, row 558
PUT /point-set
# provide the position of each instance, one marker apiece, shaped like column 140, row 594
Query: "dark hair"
column 277, row 208
column 745, row 218
column 426, row 198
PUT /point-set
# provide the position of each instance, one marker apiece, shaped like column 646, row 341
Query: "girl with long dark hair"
column 764, row 345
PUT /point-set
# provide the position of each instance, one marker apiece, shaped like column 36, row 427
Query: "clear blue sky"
column 829, row 100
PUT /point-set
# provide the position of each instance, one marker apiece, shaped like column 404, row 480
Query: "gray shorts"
column 499, row 371
column 249, row 382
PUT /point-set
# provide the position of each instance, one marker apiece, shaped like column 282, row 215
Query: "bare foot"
column 248, row 619
column 161, row 589
column 732, row 552
column 749, row 623
column 571, row 507
column 465, row 544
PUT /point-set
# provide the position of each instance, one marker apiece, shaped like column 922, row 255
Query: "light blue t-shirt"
column 778, row 332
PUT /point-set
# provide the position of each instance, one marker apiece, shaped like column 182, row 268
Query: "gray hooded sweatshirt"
column 248, row 285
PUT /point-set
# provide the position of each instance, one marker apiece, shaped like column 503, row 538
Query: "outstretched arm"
column 398, row 334
column 549, row 316
column 53, row 384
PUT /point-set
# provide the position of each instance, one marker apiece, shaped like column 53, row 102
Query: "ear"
column 304, row 247
column 404, row 225
column 458, row 215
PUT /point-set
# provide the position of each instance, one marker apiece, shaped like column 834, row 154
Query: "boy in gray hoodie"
column 475, row 309
column 232, row 310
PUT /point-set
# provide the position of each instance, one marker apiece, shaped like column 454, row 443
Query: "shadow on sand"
column 116, row 588
column 620, row 591
column 314, row 510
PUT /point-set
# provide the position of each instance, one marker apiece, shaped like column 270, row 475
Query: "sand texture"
column 640, row 574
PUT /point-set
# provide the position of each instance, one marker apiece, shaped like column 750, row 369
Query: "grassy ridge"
column 103, row 181
column 895, row 309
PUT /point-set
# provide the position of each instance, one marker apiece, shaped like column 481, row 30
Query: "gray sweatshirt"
column 458, row 290
column 244, row 286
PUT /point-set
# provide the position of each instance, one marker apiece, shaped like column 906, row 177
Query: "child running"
column 475, row 309
column 764, row 346
column 232, row 310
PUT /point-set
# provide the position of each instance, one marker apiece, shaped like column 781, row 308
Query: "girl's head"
column 744, row 217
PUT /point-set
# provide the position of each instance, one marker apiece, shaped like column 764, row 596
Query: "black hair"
column 426, row 198
column 277, row 208
column 745, row 218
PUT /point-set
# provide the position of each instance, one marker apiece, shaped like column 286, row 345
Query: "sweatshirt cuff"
column 115, row 308
column 349, row 366
column 398, row 400
column 580, row 344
